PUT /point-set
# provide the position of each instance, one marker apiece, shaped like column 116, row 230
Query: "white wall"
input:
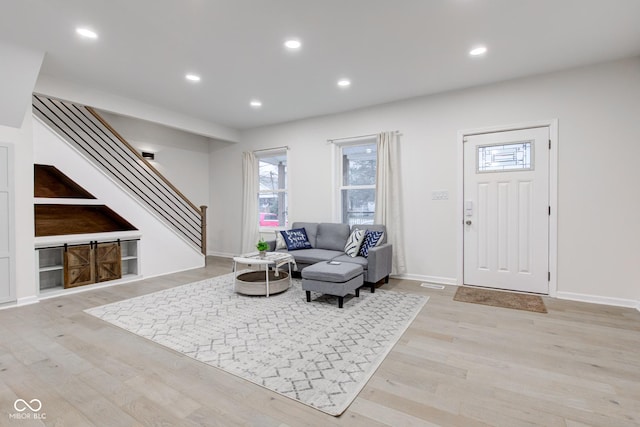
column 21, row 138
column 18, row 75
column 75, row 92
column 162, row 251
column 598, row 109
column 183, row 158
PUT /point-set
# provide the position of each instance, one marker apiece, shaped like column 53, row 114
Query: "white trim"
column 60, row 292
column 69, row 201
column 19, row 302
column 27, row 301
column 597, row 299
column 11, row 222
column 451, row 281
column 552, row 124
column 335, row 180
column 44, row 241
column 221, row 254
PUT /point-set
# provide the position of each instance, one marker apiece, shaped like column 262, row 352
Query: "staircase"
column 84, row 129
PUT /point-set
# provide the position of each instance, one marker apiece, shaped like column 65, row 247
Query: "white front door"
column 506, row 210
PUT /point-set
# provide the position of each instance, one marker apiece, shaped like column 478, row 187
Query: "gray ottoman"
column 332, row 279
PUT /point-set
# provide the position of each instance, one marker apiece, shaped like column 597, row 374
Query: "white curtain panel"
column 389, row 196
column 250, row 231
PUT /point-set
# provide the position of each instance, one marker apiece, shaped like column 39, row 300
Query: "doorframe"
column 11, row 187
column 552, row 124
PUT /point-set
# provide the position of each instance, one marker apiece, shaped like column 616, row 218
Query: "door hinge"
column 548, row 276
column 549, row 210
column 549, row 144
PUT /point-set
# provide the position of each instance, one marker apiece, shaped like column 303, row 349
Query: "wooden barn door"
column 79, row 266
column 108, row 262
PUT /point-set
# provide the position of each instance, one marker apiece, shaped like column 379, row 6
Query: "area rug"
column 315, row 353
column 503, row 299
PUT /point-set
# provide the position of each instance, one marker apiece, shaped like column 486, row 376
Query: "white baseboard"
column 221, row 254
column 27, row 300
column 79, row 289
column 596, row 299
column 428, row 279
column 20, row 302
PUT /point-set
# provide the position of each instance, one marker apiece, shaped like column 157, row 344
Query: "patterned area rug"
column 314, row 352
column 500, row 299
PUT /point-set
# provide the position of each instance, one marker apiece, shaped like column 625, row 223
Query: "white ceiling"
column 389, row 49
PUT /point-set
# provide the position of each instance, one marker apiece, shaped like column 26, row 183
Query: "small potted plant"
column 262, row 246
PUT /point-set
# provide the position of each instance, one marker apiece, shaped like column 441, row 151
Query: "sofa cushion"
column 332, row 236
column 311, row 228
column 312, row 256
column 296, row 239
column 338, row 273
column 354, row 241
column 364, row 262
column 371, row 239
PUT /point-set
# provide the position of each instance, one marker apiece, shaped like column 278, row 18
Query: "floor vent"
column 432, row 286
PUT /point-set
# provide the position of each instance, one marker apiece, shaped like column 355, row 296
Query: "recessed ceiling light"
column 344, row 82
column 293, row 44
column 480, row 50
column 255, row 103
column 192, row 77
column 87, row 33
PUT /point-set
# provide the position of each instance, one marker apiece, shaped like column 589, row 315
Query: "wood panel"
column 50, row 182
column 58, row 220
column 458, row 364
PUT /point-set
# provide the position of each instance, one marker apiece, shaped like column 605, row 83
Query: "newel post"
column 203, row 222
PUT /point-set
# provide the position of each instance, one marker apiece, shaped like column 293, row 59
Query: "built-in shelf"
column 52, row 268
column 50, row 257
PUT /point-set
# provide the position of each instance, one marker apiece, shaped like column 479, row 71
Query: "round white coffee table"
column 274, row 281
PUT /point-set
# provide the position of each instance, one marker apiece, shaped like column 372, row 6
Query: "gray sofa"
column 328, row 241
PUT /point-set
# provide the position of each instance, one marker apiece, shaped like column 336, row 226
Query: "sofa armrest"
column 379, row 262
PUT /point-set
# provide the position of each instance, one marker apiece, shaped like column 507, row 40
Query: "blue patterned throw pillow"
column 296, row 239
column 371, row 239
column 354, row 242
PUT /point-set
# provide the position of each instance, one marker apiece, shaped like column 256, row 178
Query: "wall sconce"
column 148, row 156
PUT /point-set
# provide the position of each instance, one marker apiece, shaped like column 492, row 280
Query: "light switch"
column 440, row 195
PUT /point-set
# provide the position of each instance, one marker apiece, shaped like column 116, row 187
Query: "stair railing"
column 86, row 130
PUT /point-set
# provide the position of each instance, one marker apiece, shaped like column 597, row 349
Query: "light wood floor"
column 458, row 364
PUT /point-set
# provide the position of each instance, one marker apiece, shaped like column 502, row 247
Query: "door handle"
column 468, row 222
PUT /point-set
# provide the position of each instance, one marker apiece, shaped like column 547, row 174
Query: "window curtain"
column 388, row 209
column 250, row 232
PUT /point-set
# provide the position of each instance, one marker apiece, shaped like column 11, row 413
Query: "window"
column 272, row 195
column 357, row 177
column 505, row 157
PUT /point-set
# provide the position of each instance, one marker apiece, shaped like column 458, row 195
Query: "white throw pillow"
column 353, row 243
column 280, row 243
